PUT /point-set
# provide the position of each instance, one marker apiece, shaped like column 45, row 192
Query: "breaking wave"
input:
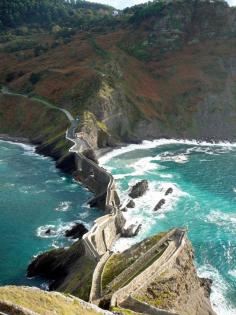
column 219, row 290
column 160, row 142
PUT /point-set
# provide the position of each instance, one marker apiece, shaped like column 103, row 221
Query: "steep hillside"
column 167, row 70
column 32, row 301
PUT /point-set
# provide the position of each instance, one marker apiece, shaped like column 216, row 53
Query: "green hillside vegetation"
column 45, row 13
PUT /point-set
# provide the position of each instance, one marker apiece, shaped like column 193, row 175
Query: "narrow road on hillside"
column 5, row 91
column 80, row 143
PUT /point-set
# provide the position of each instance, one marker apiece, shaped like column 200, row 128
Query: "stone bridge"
column 108, row 227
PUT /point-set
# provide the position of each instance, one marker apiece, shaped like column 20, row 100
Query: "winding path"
column 5, row 91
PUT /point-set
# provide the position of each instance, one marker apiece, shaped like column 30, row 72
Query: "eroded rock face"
column 178, row 287
column 139, row 189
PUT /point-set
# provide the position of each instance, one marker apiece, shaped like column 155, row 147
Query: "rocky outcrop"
column 159, row 205
column 139, row 189
column 169, row 191
column 131, row 231
column 76, row 231
column 67, row 163
column 62, row 266
column 131, row 204
column 169, row 281
column 91, row 155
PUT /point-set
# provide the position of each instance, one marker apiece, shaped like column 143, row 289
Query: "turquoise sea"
column 203, row 179
column 34, row 195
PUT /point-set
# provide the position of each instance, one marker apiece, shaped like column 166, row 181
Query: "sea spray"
column 203, row 178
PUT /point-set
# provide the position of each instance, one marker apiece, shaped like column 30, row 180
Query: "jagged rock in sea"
column 130, row 204
column 139, row 189
column 159, row 205
column 131, row 231
column 169, row 191
column 76, row 231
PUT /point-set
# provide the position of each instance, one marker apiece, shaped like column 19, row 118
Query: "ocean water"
column 34, row 196
column 203, row 179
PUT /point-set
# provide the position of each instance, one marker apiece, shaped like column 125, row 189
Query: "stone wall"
column 141, row 262
column 108, row 227
column 158, row 266
column 144, row 308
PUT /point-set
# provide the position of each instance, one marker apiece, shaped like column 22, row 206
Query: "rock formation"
column 139, row 189
column 131, row 231
column 76, row 231
column 159, row 205
column 169, row 191
column 130, row 204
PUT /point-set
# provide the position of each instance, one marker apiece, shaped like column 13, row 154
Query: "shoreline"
column 103, row 152
column 23, row 140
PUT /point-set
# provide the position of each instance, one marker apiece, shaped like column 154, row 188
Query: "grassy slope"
column 120, row 261
column 83, row 75
column 44, row 303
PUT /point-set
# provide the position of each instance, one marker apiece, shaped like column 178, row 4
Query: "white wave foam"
column 166, row 175
column 219, row 290
column 155, row 143
column 232, row 273
column 179, row 158
column 143, row 212
column 144, row 165
column 141, row 167
column 56, row 230
column 222, row 219
column 63, row 206
column 41, row 231
column 26, row 147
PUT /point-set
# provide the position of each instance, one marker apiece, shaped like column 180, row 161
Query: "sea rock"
column 131, row 230
column 159, row 205
column 48, row 231
column 76, row 231
column 206, row 284
column 130, row 204
column 139, row 189
column 169, row 191
column 45, row 265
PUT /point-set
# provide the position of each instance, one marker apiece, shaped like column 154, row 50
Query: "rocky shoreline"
column 60, row 266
